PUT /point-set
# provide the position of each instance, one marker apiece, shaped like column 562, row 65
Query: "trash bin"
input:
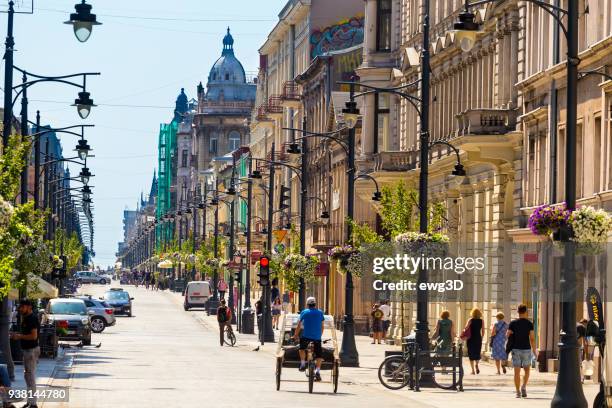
column 248, row 321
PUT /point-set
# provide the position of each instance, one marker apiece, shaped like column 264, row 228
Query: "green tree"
column 399, row 210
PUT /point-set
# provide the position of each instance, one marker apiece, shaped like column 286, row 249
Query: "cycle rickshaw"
column 287, row 354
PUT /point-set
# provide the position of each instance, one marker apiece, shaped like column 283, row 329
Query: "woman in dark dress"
column 474, row 343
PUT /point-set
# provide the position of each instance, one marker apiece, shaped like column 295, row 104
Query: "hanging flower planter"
column 419, row 244
column 165, row 264
column 547, row 220
column 348, row 259
column 298, row 267
column 213, row 262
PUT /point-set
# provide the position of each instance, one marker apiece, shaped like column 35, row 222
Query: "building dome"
column 227, row 69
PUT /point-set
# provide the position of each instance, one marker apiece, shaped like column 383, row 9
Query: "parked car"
column 103, row 314
column 71, row 319
column 90, row 277
column 106, row 275
column 197, row 294
column 119, row 300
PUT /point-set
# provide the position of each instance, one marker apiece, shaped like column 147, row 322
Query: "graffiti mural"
column 344, row 34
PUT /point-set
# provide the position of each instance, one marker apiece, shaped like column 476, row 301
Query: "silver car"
column 101, row 313
column 90, row 277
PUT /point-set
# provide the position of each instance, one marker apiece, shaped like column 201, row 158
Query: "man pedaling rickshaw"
column 310, row 326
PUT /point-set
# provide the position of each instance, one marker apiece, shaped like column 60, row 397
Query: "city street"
column 163, row 356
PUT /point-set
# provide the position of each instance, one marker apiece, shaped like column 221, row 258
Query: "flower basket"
column 546, row 219
column 212, row 262
column 348, row 259
column 298, row 267
column 423, row 244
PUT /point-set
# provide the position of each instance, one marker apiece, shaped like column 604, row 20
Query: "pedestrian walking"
column 386, row 309
column 222, row 287
column 274, row 291
column 377, row 323
column 286, row 302
column 473, row 333
column 498, row 343
column 28, row 340
column 277, row 307
column 521, row 341
column 444, row 334
column 224, row 317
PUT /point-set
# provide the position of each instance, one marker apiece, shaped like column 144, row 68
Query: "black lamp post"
column 213, row 304
column 568, row 392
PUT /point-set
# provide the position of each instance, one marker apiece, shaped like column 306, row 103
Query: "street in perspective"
column 306, row 202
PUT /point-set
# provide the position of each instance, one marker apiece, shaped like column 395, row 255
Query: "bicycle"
column 445, row 370
column 229, row 337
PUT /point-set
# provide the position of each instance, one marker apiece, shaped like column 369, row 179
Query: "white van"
column 197, row 294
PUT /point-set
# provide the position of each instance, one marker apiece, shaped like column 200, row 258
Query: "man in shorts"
column 310, row 326
column 522, row 343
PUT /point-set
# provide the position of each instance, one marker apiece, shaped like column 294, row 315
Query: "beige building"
column 294, row 78
column 475, row 107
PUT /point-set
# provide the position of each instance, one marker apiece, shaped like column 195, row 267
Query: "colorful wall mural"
column 344, row 34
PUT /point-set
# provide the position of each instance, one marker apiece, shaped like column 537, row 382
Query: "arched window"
column 234, row 140
column 227, row 77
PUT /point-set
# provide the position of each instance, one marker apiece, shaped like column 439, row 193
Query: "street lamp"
column 86, row 190
column 82, row 21
column 466, row 30
column 84, row 104
column 351, row 114
column 83, row 149
column 85, row 175
column 256, row 175
column 568, row 392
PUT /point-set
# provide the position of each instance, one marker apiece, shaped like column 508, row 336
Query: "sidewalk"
column 49, row 374
column 487, row 385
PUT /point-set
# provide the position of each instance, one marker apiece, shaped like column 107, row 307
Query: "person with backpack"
column 224, row 317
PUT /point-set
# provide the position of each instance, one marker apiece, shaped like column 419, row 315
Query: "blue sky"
column 146, row 51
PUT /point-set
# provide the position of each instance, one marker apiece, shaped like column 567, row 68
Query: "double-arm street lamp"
column 82, row 21
column 568, row 392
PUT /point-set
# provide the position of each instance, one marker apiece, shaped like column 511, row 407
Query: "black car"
column 119, row 300
column 71, row 318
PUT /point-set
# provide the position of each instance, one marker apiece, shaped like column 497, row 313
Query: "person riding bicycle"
column 224, row 317
column 312, row 321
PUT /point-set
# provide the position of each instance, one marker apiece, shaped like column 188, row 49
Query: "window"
column 234, row 140
column 212, row 148
column 383, row 25
column 597, row 159
column 227, row 77
column 184, row 158
column 381, row 126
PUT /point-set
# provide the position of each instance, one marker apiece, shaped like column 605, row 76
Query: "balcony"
column 321, row 237
column 290, row 98
column 486, row 122
column 396, row 161
column 275, row 107
column 279, row 155
column 262, row 113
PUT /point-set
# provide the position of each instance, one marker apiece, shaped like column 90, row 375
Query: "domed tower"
column 224, row 107
column 227, row 79
column 181, row 107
